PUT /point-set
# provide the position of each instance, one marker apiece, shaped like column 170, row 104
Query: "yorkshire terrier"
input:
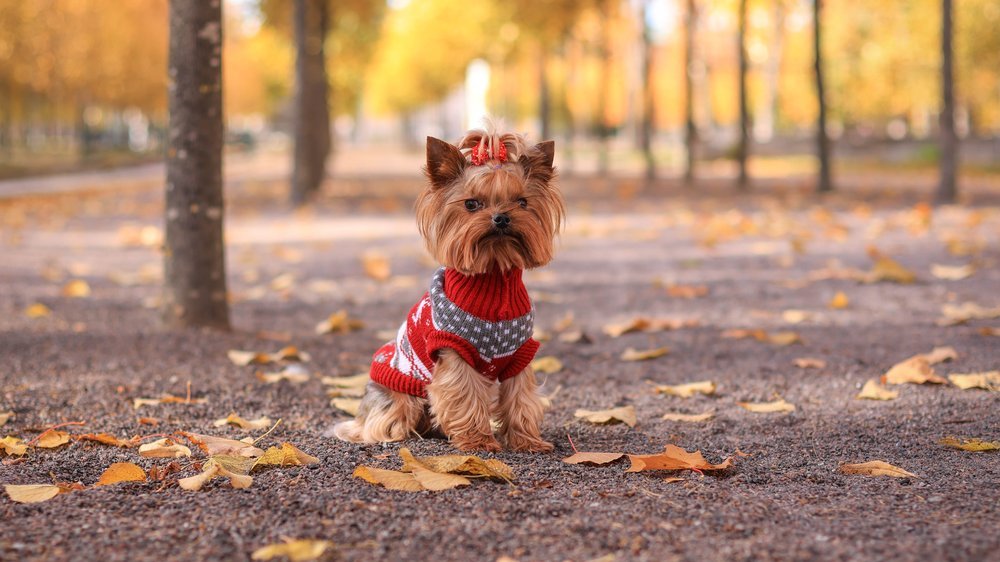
column 462, row 358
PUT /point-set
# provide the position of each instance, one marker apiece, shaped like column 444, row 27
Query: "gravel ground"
column 784, row 500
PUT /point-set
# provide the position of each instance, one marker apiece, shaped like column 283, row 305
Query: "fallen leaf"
column 437, row 481
column 989, row 380
column 210, row 470
column 839, row 301
column 339, row 322
column 675, row 458
column 108, row 439
column 297, row 550
column 13, row 446
column 687, row 291
column 779, row 405
column 32, row 493
column 547, row 365
column 687, row 390
column 165, row 448
column 376, row 266
column 355, row 381
column 876, row 468
column 347, row 405
column 287, row 455
column 294, row 374
column 915, row 370
column 776, row 338
column 795, row 316
column 595, row 459
column 952, row 272
column 672, row 479
column 783, row 338
column 961, row 313
column 574, row 336
column 165, row 399
column 77, row 288
column 872, row 390
column 644, row 324
column 678, row 417
column 973, row 445
column 624, row 414
column 288, row 353
column 632, row 354
column 6, row 417
column 262, row 422
column 391, row 479
column 940, row 355
column 465, row 464
column 989, row 331
column 147, row 421
column 221, row 446
column 52, row 439
column 121, row 472
column 888, row 269
column 566, row 322
column 37, row 310
column 809, row 363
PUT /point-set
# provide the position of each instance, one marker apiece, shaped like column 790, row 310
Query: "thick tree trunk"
column 947, row 189
column 766, row 116
column 824, row 183
column 604, row 127
column 743, row 146
column 544, row 97
column 646, row 128
column 690, row 131
column 194, row 263
column 311, row 127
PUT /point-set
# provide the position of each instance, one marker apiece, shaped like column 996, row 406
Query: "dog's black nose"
column 501, row 220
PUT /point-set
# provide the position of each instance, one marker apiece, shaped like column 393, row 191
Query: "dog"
column 462, row 358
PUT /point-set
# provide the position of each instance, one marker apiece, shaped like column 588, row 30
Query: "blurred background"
column 83, row 83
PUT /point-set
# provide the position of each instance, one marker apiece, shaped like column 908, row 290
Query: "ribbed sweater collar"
column 497, row 295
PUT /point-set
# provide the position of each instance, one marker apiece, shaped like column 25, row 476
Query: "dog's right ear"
column 445, row 162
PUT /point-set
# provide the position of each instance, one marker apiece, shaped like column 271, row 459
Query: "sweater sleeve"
column 520, row 360
column 438, row 340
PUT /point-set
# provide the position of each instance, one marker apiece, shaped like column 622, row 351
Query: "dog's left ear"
column 445, row 162
column 537, row 162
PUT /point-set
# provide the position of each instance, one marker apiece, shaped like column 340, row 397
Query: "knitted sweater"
column 487, row 319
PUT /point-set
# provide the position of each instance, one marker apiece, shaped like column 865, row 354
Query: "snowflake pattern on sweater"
column 487, row 319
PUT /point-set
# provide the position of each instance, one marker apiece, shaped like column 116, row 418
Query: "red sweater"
column 487, row 319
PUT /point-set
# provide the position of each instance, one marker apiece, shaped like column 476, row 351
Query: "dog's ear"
column 444, row 162
column 537, row 162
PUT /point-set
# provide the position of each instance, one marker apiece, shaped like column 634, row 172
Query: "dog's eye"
column 473, row 205
column 522, row 202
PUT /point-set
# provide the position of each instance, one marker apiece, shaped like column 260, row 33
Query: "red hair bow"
column 480, row 154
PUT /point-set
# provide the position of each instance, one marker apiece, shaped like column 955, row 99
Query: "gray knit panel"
column 491, row 339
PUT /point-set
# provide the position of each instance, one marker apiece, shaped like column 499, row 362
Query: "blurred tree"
column 310, row 112
column 947, row 189
column 824, row 183
column 742, row 145
column 194, row 252
column 690, row 130
column 648, row 119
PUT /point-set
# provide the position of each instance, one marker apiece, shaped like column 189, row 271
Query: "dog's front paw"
column 527, row 444
column 489, row 444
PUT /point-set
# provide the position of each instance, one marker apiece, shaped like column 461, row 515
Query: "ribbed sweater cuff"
column 520, row 360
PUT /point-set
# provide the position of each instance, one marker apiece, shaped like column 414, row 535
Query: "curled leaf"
column 222, row 446
column 973, row 445
column 286, row 455
column 989, row 380
column 121, row 472
column 77, row 288
column 687, row 390
column 596, row 459
column 624, row 414
column 13, row 446
column 355, row 381
column 52, row 438
column 298, row 550
column 952, row 272
column 32, row 493
column 547, row 365
column 876, row 468
column 165, row 448
column 376, row 266
column 37, row 310
column 391, row 479
column 678, row 417
column 809, row 363
column 839, row 301
column 108, row 439
column 632, row 354
column 347, row 405
column 262, row 422
column 872, row 390
column 779, row 405
column 339, row 322
column 464, row 464
column 915, row 370
column 675, row 458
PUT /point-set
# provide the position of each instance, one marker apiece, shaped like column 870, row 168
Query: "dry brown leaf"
column 989, row 380
column 13, row 446
column 989, row 331
column 678, row 417
column 437, row 481
column 940, row 355
column 961, row 313
column 876, row 468
column 548, row 365
column 887, row 269
column 872, row 390
column 165, row 399
column 675, row 458
column 687, row 390
column 298, row 550
column 795, row 316
column 121, row 472
column 339, row 322
column 52, row 439
column 783, row 338
column 347, row 405
column 574, row 336
column 108, row 439
column 77, row 289
column 147, row 421
column 591, row 458
column 287, row 455
column 624, row 414
column 839, row 301
column 376, row 266
column 644, row 324
column 32, row 493
column 391, row 479
column 776, row 338
column 6, row 417
column 355, row 381
column 465, row 464
column 972, row 445
column 952, row 272
column 672, row 479
column 37, row 310
column 211, row 469
column 632, row 354
column 687, row 291
column 165, row 448
column 294, row 374
column 779, row 405
column 915, row 370
column 262, row 422
column 287, row 353
column 221, row 446
column 809, row 363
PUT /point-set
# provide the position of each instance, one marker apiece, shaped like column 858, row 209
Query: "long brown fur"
column 461, row 402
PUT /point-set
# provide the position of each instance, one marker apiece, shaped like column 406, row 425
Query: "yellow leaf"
column 165, row 448
column 288, row 353
column 872, row 390
column 356, row 381
column 6, row 417
column 783, row 338
column 597, row 459
column 437, row 481
column 287, row 455
column 108, row 439
column 32, row 493
column 298, row 550
column 839, row 301
column 262, row 422
column 340, row 323
column 632, row 354
column 888, row 269
column 989, row 380
column 465, row 464
column 221, row 446
column 809, row 363
column 121, row 472
column 390, row 479
column 573, row 336
column 624, row 414
column 547, row 365
column 236, row 480
column 952, row 272
column 687, row 390
column 294, row 374
column 776, row 338
column 77, row 288
column 687, row 291
column 644, row 324
column 940, row 355
column 347, row 405
column 779, row 405
column 376, row 266
column 961, row 313
column 678, row 417
column 13, row 446
column 37, row 310
column 675, row 458
column 876, row 468
column 194, row 483
column 915, row 370
column 794, row 316
column 973, row 445
column 52, row 439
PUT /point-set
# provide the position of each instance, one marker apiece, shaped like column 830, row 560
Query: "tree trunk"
column 604, row 127
column 646, row 128
column 824, row 183
column 947, row 190
column 690, row 131
column 743, row 146
column 311, row 127
column 194, row 263
column 544, row 97
column 766, row 116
